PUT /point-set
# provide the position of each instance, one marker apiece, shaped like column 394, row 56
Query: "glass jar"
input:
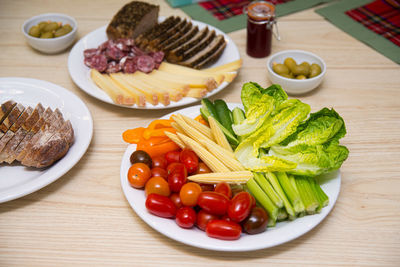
column 260, row 22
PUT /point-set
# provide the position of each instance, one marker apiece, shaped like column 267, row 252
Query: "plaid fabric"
column 224, row 9
column 380, row 16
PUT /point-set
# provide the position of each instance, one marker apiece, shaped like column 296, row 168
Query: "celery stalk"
column 307, row 193
column 278, row 189
column 282, row 214
column 266, row 186
column 264, row 200
column 322, row 198
column 291, row 193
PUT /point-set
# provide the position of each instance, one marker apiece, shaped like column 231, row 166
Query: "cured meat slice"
column 98, row 62
column 211, row 59
column 177, row 28
column 198, row 47
column 145, row 63
column 54, row 122
column 187, row 27
column 20, row 153
column 113, row 67
column 5, row 109
column 143, row 39
column 182, row 39
column 176, row 54
column 14, row 128
column 11, row 118
column 10, row 151
column 132, row 19
column 206, row 52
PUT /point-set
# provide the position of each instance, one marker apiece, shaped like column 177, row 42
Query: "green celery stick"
column 307, row 194
column 266, row 186
column 278, row 189
column 264, row 200
column 282, row 214
column 322, row 198
column 291, row 193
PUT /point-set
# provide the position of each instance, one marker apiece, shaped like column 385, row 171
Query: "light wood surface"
column 84, row 219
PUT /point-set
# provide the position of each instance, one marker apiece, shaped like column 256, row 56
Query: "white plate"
column 281, row 233
column 16, row 180
column 80, row 73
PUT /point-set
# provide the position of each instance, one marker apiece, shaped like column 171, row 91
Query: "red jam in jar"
column 260, row 20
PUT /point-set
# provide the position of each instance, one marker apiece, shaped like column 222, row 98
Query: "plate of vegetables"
column 196, row 190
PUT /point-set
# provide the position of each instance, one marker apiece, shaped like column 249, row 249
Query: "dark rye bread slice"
column 5, row 109
column 52, row 125
column 132, row 19
column 11, row 118
column 186, row 28
column 10, row 151
column 35, row 128
column 55, row 148
column 206, row 52
column 167, row 34
column 142, row 40
column 211, row 59
column 14, row 128
column 176, row 54
column 184, row 38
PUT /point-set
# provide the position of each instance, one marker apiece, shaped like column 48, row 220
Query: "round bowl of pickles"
column 297, row 71
column 50, row 33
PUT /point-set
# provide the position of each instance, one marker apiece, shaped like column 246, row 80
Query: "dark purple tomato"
column 256, row 222
column 142, row 157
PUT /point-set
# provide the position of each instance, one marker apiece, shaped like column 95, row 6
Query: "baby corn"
column 238, row 177
column 175, row 139
column 198, row 126
column 218, row 135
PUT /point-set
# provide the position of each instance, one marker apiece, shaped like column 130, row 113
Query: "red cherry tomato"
column 224, row 188
column 186, row 217
column 172, row 156
column 157, row 185
column 203, row 168
column 189, row 194
column 256, row 222
column 240, row 206
column 213, row 202
column 222, row 229
column 176, row 180
column 138, row 174
column 203, row 218
column 176, row 199
column 177, row 167
column 161, row 206
column 190, row 160
column 160, row 161
column 158, row 171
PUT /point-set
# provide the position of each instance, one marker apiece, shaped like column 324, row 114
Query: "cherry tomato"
column 177, row 167
column 213, row 202
column 203, row 217
column 240, row 206
column 253, row 201
column 138, row 174
column 203, row 168
column 190, row 160
column 224, row 188
column 172, row 156
column 160, row 161
column 161, row 206
column 176, row 199
column 186, row 217
column 157, row 171
column 189, row 194
column 157, row 185
column 256, row 222
column 222, row 229
column 141, row 156
column 207, row 187
column 176, row 180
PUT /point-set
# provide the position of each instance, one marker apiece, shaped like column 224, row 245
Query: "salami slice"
column 137, row 51
column 104, row 45
column 113, row 67
column 114, row 53
column 145, row 63
column 130, row 65
column 158, row 56
column 91, row 52
column 98, row 62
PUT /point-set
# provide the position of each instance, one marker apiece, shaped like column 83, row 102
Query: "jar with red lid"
column 260, row 23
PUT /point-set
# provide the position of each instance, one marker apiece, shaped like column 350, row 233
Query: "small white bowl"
column 294, row 86
column 53, row 45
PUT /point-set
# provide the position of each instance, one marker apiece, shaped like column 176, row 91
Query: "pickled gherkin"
column 49, row 29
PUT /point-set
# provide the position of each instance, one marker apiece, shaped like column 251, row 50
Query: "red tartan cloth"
column 380, row 16
column 224, row 9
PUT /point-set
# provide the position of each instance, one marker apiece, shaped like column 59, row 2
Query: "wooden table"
column 84, row 219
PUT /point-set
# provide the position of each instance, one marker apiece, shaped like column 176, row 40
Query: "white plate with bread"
column 83, row 75
column 45, row 130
